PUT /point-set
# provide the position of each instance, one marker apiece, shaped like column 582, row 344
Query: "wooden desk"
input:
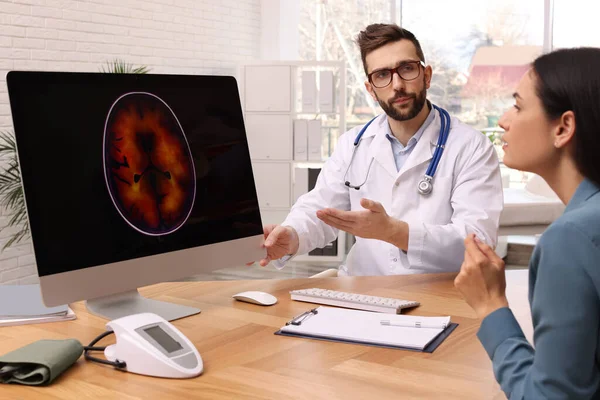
column 244, row 360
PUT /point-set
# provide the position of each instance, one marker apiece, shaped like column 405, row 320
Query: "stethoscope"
column 425, row 185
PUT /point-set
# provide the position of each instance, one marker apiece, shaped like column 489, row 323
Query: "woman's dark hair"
column 376, row 35
column 569, row 80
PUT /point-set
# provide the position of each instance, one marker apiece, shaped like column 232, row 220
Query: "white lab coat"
column 467, row 198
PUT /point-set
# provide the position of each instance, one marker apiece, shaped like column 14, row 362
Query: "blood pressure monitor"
column 150, row 345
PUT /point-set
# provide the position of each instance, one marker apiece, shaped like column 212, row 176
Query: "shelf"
column 295, row 163
column 298, row 113
column 308, row 164
column 275, row 209
column 296, row 63
column 294, row 114
column 270, row 136
column 270, row 160
column 321, row 259
column 337, row 259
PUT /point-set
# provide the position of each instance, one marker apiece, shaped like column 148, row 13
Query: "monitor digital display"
column 119, row 166
column 163, row 339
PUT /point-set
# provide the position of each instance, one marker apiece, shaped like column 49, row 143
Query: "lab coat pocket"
column 436, row 208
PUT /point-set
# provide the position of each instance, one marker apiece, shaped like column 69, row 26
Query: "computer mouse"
column 255, row 297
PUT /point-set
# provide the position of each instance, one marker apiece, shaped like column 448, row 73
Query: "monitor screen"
column 117, row 167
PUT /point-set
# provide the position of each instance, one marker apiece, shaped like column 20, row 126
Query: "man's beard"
column 418, row 101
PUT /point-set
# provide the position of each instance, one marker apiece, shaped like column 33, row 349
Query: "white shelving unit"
column 271, row 95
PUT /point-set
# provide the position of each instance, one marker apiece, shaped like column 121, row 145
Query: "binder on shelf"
column 300, row 140
column 326, row 91
column 365, row 327
column 309, row 91
column 314, row 140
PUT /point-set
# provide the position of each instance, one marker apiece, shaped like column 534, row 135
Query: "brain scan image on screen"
column 148, row 164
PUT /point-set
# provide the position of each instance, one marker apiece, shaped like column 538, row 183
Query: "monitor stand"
column 131, row 302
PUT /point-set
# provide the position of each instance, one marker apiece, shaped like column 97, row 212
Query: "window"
column 477, row 57
column 327, row 32
column 478, row 62
column 574, row 22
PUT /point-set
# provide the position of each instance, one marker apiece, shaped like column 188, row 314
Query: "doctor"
column 372, row 185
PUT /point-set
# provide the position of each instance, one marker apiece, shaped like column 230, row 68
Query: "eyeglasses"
column 408, row 71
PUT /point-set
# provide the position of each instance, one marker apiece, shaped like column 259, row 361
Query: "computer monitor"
column 131, row 180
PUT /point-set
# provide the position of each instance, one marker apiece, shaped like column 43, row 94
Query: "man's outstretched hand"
column 279, row 241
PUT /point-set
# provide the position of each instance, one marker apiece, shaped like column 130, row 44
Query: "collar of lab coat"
column 381, row 150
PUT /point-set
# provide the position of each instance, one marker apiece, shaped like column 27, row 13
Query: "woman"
column 553, row 130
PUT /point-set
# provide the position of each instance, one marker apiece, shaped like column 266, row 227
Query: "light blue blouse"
column 564, row 295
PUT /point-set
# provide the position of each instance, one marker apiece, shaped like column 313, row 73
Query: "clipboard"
column 359, row 318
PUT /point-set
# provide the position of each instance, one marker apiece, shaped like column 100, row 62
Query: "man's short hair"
column 377, row 35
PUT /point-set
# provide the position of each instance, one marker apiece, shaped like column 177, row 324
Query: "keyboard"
column 352, row 300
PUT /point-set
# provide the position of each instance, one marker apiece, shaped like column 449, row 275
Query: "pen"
column 415, row 324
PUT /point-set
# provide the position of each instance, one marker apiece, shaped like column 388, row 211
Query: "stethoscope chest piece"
column 425, row 187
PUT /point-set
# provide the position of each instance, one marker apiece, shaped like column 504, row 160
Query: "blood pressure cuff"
column 39, row 363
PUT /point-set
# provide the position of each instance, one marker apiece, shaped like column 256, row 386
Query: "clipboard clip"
column 302, row 317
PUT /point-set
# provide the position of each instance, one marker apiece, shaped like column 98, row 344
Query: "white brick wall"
column 168, row 36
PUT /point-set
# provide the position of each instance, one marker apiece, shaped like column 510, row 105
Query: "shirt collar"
column 585, row 190
column 415, row 138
